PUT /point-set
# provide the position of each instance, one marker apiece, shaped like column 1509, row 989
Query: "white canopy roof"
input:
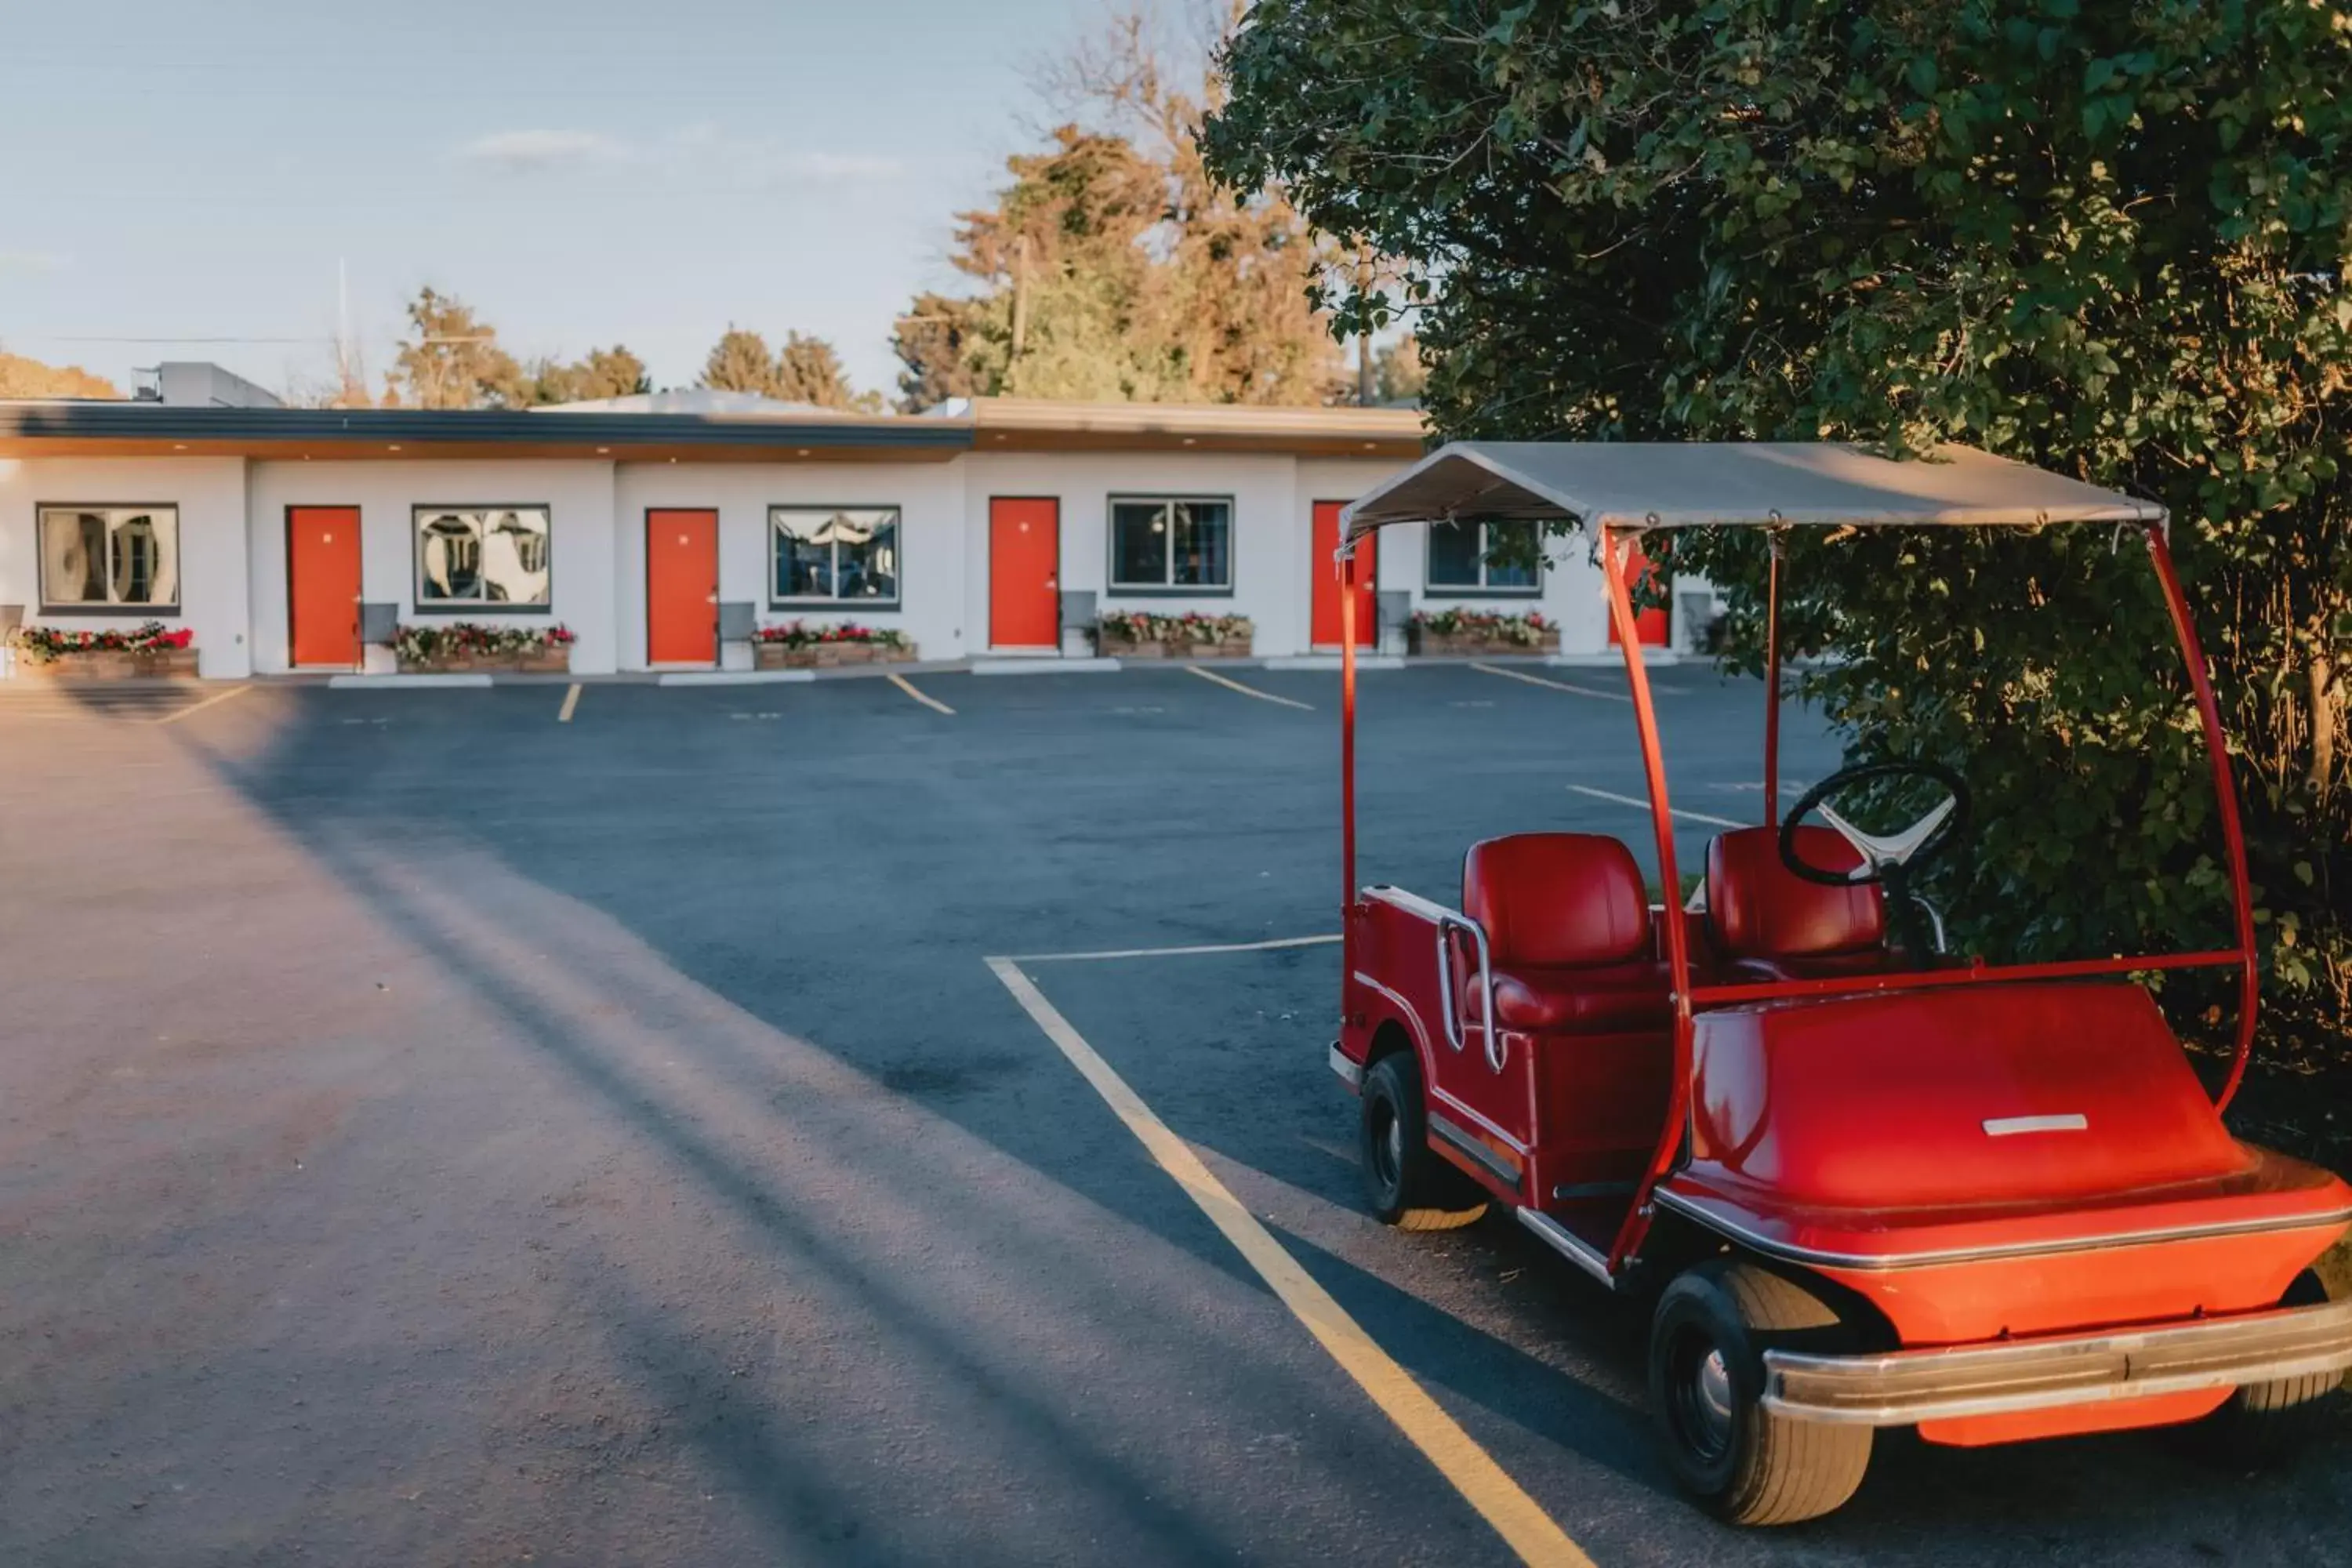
column 1688, row 484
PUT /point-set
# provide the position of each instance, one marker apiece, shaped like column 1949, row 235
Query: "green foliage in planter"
column 1529, row 630
column 801, row 634
column 2108, row 240
column 47, row 645
column 459, row 639
column 1142, row 625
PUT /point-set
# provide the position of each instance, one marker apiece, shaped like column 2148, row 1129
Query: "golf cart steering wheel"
column 1892, row 858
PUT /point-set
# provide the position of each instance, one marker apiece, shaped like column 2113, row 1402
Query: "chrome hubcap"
column 1396, row 1145
column 1714, row 1403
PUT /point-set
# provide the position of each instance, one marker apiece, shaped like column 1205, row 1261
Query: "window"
column 1172, row 545
column 1485, row 558
column 834, row 554
column 470, row 558
column 98, row 557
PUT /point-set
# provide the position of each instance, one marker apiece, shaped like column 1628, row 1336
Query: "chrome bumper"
column 1349, row 1073
column 1910, row 1387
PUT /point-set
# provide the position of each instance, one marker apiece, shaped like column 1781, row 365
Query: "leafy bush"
column 451, row 639
column 1139, row 626
column 1529, row 630
column 801, row 634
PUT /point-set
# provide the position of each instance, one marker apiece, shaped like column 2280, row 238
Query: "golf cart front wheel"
column 1741, row 1462
column 1408, row 1186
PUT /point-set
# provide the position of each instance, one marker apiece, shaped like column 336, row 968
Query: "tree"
column 2108, row 240
column 1397, row 371
column 605, row 373
column 22, row 377
column 1113, row 267
column 809, row 371
column 452, row 360
column 739, row 362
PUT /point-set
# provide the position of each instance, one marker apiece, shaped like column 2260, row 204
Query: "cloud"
column 528, row 150
column 830, row 168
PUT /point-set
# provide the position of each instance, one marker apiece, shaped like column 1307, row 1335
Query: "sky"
column 641, row 171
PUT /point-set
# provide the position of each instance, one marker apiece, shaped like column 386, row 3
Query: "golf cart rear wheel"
column 1408, row 1185
column 2265, row 1424
column 1741, row 1462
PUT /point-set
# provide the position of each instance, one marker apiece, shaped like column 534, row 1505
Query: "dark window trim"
column 889, row 606
column 416, row 600
column 1113, row 588
column 1431, row 589
column 81, row 607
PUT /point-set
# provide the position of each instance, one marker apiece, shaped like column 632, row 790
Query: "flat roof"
column 1690, row 484
column 135, row 428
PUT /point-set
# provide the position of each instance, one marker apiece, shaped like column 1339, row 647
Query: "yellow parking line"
column 1247, row 691
column 179, row 713
column 907, row 686
column 571, row 702
column 1483, row 1484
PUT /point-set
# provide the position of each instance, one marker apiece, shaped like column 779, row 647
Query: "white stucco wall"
column 930, row 499
column 210, row 495
column 584, row 561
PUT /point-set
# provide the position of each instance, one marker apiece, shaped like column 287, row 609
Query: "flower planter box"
column 112, row 664
column 826, row 655
column 539, row 661
column 1461, row 645
column 1173, row 648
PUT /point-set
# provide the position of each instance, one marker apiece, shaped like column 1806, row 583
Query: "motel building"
column 663, row 530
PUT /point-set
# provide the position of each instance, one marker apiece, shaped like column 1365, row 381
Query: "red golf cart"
column 1873, row 1184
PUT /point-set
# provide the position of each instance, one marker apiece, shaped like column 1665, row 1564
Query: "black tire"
column 2263, row 1424
column 1408, row 1185
column 1741, row 1462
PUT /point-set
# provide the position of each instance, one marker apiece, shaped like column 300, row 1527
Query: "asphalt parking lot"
column 515, row 1125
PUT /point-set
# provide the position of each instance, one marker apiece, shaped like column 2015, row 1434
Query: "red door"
column 1024, row 572
column 322, row 585
column 1325, row 628
column 1649, row 625
column 682, row 587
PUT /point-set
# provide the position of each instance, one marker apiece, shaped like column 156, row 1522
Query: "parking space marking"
column 1555, row 685
column 571, row 702
column 179, row 713
column 1266, row 946
column 1485, row 1485
column 933, row 703
column 1248, row 690
column 1640, row 805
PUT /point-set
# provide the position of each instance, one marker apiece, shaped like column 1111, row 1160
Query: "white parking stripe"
column 907, row 686
column 1555, row 685
column 1636, row 802
column 1485, row 1485
column 1247, row 691
column 1266, row 946
column 178, row 714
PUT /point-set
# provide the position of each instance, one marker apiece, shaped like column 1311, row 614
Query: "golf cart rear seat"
column 1568, row 928
column 1766, row 922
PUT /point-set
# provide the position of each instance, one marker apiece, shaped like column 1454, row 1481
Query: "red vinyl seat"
column 1767, row 922
column 1568, row 934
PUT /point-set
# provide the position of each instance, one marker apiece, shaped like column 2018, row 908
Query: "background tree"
column 452, row 360
column 808, row 370
column 22, row 377
column 1397, row 371
column 739, row 362
column 1113, row 267
column 605, row 373
column 2108, row 240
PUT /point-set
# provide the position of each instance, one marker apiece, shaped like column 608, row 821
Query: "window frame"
column 422, row 605
column 1167, row 588
column 1482, row 589
column 109, row 609
column 834, row 603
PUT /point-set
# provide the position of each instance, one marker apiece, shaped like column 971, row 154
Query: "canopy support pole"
column 1661, row 824
column 1772, row 684
column 1345, row 567
column 2233, row 837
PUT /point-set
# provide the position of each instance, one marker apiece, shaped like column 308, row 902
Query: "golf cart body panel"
column 2002, row 1189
